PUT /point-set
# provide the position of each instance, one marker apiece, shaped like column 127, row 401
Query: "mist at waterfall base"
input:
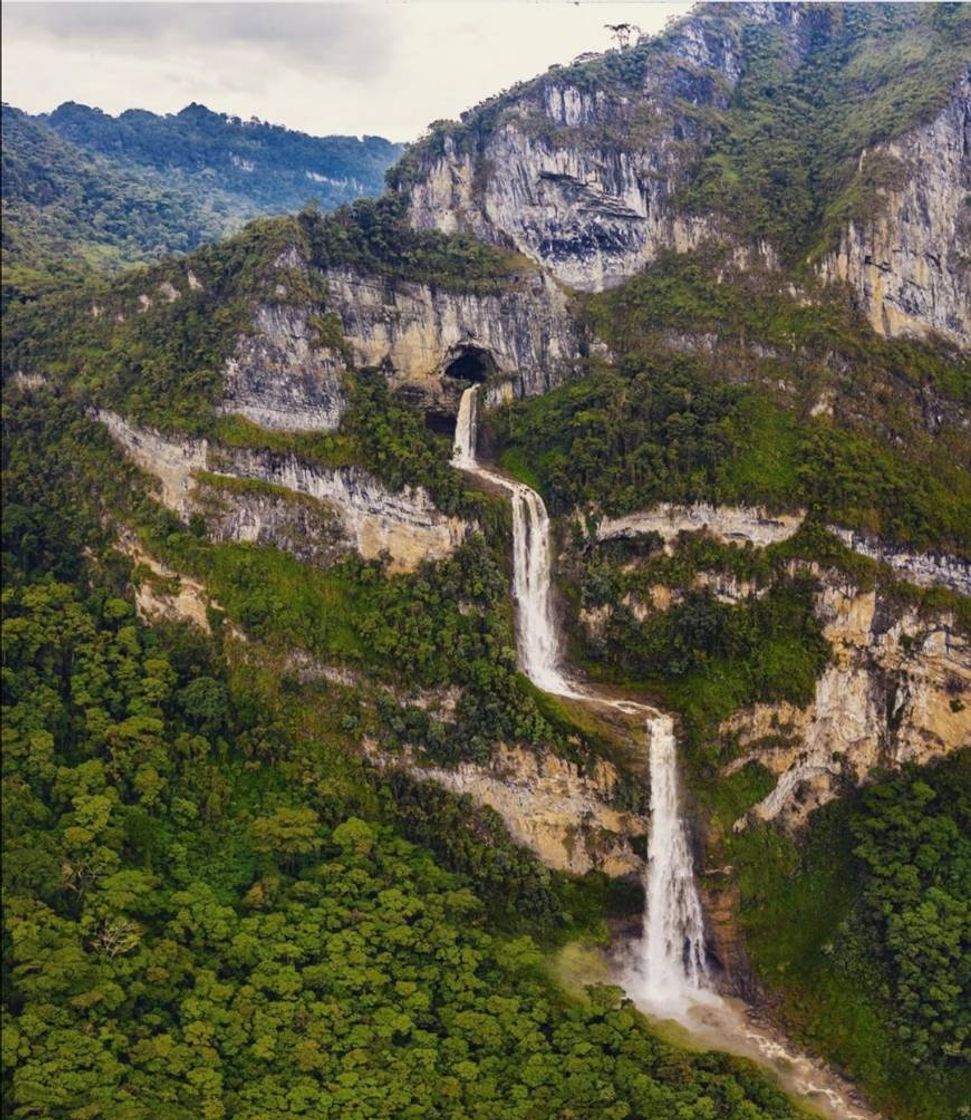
column 666, row 971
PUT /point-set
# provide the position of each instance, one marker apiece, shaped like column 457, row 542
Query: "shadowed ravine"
column 666, row 972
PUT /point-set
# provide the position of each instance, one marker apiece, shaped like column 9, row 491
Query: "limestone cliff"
column 579, row 177
column 909, row 265
column 585, row 169
column 898, row 685
column 563, row 815
column 757, row 526
column 525, row 335
column 407, row 525
column 898, row 690
column 281, row 376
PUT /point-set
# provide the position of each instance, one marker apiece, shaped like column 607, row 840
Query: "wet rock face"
column 910, row 265
column 281, row 377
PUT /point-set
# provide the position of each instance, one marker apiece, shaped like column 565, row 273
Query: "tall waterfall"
column 669, row 975
column 463, row 449
column 671, row 971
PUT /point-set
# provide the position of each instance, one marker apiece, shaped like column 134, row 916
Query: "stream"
column 666, row 971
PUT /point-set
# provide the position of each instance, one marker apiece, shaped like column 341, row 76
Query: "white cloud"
column 352, row 67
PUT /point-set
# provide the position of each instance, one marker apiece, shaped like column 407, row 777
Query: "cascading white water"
column 463, row 449
column 672, row 972
column 537, row 639
column 670, row 975
column 672, row 969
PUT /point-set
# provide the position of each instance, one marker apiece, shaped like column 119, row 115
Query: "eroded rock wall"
column 909, row 265
column 562, row 815
column 281, row 375
column 414, row 330
column 898, row 690
column 406, row 524
column 756, row 526
column 583, row 176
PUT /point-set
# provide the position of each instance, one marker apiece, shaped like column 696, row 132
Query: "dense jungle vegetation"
column 275, row 170
column 212, row 908
column 663, row 427
column 222, row 898
column 863, row 928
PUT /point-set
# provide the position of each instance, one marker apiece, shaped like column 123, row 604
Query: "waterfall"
column 672, row 970
column 463, row 449
column 669, row 975
column 537, row 637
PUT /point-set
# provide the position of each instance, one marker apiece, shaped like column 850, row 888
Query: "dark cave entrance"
column 471, row 363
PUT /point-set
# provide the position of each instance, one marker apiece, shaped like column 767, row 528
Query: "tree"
column 622, row 33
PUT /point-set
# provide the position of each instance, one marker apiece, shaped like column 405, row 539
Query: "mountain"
column 333, row 769
column 103, row 192
column 274, row 169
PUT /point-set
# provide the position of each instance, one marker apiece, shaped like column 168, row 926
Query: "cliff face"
column 910, row 265
column 758, row 527
column 898, row 690
column 525, row 335
column 562, row 179
column 281, row 377
column 370, row 517
column 585, row 172
column 562, row 815
column 583, row 175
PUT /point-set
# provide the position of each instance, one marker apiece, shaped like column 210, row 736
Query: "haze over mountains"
column 108, row 191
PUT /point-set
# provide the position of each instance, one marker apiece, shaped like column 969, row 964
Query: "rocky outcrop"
column 162, row 593
column 922, row 569
column 406, row 524
column 562, row 815
column 525, row 335
column 758, row 527
column 581, row 173
column 731, row 524
column 281, row 376
column 263, row 514
column 898, row 690
column 909, row 264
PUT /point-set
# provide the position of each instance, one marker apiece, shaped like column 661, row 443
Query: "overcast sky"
column 383, row 67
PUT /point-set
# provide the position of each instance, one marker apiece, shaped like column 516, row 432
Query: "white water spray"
column 672, row 970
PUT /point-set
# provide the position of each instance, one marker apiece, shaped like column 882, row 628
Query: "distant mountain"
column 82, row 189
column 269, row 166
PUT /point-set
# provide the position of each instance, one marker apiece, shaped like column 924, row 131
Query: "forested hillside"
column 84, row 190
column 289, row 828
column 274, row 168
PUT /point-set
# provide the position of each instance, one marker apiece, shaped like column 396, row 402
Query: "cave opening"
column 471, row 364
